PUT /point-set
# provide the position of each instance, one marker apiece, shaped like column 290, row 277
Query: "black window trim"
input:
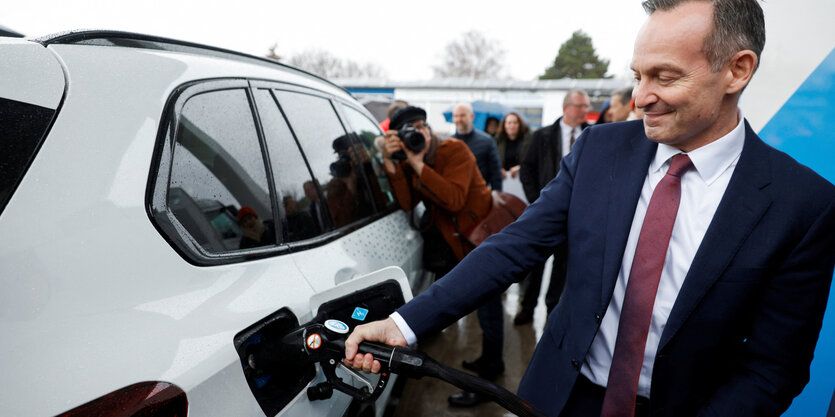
column 37, row 148
column 160, row 174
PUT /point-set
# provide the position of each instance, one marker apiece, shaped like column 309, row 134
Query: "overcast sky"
column 404, row 38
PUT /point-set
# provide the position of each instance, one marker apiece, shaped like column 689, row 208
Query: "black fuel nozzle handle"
column 400, row 360
column 317, row 343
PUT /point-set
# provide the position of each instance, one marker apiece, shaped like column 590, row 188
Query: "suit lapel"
column 627, row 176
column 741, row 208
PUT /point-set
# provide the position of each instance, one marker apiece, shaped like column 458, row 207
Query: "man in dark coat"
column 481, row 145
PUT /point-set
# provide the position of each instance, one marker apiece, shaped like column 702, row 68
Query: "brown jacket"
column 453, row 186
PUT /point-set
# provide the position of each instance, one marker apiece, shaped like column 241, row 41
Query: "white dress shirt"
column 565, row 136
column 702, row 188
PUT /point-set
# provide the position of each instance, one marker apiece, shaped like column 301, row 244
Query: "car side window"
column 367, row 132
column 304, row 212
column 331, row 154
column 218, row 188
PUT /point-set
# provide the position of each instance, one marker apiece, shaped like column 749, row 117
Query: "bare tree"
column 472, row 56
column 316, row 61
column 328, row 65
column 351, row 69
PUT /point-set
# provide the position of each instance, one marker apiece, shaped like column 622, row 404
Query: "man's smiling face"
column 680, row 94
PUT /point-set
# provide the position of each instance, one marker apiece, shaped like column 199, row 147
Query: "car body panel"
column 31, row 74
column 92, row 297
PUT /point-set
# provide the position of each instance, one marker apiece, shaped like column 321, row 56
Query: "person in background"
column 605, row 113
column 491, row 126
column 621, row 104
column 541, row 163
column 393, row 107
column 314, row 206
column 700, row 259
column 256, row 232
column 481, row 145
column 445, row 177
column 299, row 225
column 512, row 140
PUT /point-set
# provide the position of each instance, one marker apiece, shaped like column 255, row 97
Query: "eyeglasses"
column 580, row 106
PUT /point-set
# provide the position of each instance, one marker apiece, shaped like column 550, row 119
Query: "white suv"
column 162, row 206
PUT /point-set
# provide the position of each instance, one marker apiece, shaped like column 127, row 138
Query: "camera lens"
column 412, row 138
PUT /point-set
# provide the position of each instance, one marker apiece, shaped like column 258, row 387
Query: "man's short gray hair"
column 737, row 25
column 625, row 95
column 567, row 100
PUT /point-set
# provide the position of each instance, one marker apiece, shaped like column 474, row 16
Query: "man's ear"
column 740, row 70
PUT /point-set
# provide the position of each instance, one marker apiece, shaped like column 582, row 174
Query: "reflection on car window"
column 218, row 188
column 367, row 132
column 305, row 214
column 335, row 162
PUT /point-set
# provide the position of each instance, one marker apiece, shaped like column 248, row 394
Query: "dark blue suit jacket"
column 742, row 332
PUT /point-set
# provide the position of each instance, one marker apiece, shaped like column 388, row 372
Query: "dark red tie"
column 636, row 313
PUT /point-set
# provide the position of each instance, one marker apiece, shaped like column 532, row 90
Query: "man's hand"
column 382, row 331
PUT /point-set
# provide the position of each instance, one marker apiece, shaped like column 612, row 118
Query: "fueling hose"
column 325, row 344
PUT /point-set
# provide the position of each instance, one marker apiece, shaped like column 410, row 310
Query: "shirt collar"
column 710, row 160
column 565, row 127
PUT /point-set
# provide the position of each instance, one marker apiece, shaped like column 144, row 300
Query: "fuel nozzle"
column 323, row 344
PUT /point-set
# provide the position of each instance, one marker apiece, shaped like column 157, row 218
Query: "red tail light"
column 145, row 399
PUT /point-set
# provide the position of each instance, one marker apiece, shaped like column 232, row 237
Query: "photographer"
column 445, row 177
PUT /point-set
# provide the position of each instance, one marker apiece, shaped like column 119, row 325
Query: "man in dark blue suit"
column 699, row 258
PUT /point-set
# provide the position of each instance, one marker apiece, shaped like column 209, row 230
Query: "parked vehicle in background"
column 157, row 199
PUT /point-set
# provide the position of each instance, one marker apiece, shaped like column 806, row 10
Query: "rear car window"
column 218, row 188
column 22, row 129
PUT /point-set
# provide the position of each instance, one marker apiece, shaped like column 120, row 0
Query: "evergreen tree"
column 577, row 59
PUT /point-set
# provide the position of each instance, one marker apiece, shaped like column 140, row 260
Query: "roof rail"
column 138, row 40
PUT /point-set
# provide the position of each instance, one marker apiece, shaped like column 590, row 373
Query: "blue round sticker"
column 336, row 326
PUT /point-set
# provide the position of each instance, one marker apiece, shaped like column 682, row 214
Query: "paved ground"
column 428, row 397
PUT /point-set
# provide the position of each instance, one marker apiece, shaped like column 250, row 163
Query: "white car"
column 163, row 205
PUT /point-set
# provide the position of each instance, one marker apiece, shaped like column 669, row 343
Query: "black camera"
column 412, row 138
column 341, row 168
